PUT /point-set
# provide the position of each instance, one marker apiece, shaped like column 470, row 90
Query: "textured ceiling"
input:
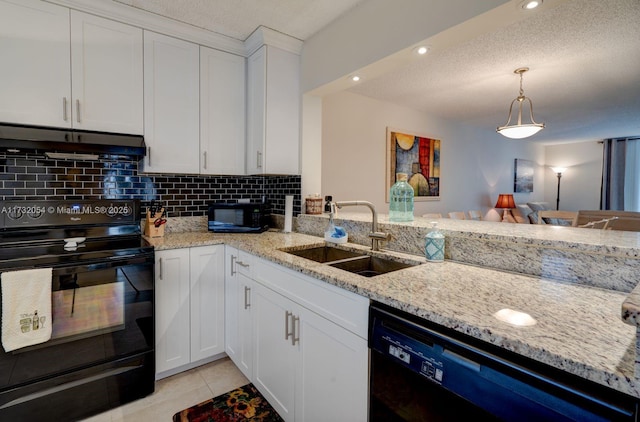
column 584, row 78
column 584, row 57
column 239, row 18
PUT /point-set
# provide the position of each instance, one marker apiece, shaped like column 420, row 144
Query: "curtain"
column 632, row 176
column 620, row 175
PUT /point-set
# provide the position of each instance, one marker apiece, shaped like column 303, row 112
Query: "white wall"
column 475, row 167
column 580, row 183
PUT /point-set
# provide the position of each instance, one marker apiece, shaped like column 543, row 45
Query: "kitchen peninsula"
column 577, row 305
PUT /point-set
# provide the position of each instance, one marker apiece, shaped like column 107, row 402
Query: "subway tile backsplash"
column 27, row 176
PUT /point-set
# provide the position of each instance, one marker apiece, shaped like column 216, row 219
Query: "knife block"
column 150, row 229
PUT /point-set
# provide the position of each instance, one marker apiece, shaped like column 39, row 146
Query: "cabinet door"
column 222, row 112
column 207, row 301
column 171, row 104
column 106, row 71
column 172, row 309
column 274, row 354
column 282, row 125
column 256, row 96
column 273, row 112
column 332, row 375
column 238, row 323
column 35, row 75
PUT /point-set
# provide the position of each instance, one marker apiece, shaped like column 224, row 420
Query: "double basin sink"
column 357, row 262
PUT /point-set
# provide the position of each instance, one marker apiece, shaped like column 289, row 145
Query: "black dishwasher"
column 421, row 371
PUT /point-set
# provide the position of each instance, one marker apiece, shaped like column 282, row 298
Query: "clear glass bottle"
column 401, row 200
column 434, row 244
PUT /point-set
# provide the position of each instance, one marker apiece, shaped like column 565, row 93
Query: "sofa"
column 528, row 214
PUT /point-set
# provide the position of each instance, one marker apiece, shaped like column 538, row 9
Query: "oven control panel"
column 15, row 214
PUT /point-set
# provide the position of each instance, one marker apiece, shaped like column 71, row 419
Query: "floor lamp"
column 558, row 171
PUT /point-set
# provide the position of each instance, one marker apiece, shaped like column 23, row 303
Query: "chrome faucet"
column 375, row 235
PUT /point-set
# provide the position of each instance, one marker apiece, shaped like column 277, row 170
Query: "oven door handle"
column 115, row 261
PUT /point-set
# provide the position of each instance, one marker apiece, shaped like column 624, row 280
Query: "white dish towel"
column 26, row 308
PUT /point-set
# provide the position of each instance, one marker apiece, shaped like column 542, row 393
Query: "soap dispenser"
column 434, row 244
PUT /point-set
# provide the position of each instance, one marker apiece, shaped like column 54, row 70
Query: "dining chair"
column 457, row 215
column 475, row 215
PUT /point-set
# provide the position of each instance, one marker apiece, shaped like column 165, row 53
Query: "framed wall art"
column 419, row 157
column 523, row 176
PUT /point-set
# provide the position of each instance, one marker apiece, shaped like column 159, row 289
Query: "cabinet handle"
column 259, row 159
column 295, row 337
column 64, row 109
column 160, row 269
column 78, row 110
column 233, row 265
column 242, row 264
column 247, row 291
column 287, row 334
column 149, row 156
column 205, row 159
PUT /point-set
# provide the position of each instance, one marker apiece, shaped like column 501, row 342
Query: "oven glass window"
column 97, row 314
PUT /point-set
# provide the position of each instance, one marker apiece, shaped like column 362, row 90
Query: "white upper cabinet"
column 65, row 70
column 222, row 112
column 106, row 71
column 35, row 75
column 171, row 104
column 273, row 111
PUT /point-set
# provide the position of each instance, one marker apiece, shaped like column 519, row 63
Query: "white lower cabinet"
column 238, row 324
column 310, row 356
column 189, row 306
column 275, row 354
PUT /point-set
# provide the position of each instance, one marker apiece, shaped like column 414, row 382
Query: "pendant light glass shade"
column 520, row 130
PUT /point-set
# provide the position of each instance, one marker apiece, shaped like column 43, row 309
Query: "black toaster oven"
column 238, row 217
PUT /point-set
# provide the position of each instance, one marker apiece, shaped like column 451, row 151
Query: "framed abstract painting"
column 419, row 157
column 523, row 176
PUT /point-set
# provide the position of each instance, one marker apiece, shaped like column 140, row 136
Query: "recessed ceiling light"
column 421, row 50
column 355, row 78
column 531, row 4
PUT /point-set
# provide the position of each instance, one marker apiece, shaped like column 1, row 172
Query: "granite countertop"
column 578, row 328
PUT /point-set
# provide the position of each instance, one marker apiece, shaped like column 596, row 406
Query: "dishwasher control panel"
column 420, row 358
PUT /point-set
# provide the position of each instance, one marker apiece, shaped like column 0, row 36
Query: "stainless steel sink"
column 369, row 266
column 355, row 262
column 324, row 253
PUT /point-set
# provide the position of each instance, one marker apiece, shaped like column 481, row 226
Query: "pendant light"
column 520, row 130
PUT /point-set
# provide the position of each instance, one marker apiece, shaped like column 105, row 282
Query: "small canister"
column 434, row 244
column 313, row 204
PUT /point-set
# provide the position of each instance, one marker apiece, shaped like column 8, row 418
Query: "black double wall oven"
column 101, row 351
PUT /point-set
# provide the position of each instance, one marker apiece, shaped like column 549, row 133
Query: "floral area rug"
column 242, row 404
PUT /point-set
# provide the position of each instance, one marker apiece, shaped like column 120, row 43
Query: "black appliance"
column 422, row 371
column 238, row 217
column 101, row 352
column 47, row 139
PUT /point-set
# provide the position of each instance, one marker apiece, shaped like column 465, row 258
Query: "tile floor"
column 178, row 392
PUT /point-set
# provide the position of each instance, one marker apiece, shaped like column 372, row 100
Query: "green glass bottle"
column 401, row 200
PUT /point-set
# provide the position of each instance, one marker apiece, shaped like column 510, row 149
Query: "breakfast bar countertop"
column 577, row 328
